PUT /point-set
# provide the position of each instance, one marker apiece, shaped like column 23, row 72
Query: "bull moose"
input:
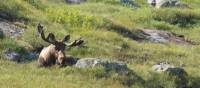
column 54, row 53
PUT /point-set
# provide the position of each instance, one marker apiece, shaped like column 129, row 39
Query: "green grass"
column 98, row 22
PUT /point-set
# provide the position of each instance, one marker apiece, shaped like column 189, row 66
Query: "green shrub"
column 72, row 17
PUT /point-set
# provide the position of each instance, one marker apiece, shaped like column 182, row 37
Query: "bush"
column 72, row 17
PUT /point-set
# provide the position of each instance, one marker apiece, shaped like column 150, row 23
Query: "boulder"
column 163, row 3
column 93, row 62
column 161, row 36
column 11, row 30
column 75, row 1
column 12, row 55
column 162, row 66
column 24, row 56
column 174, row 71
column 167, row 67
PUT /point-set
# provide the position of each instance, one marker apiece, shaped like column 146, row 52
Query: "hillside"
column 110, row 31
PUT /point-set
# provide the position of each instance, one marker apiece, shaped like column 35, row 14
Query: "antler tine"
column 50, row 38
column 40, row 28
column 76, row 42
column 66, row 38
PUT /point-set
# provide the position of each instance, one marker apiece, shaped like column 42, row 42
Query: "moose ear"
column 66, row 38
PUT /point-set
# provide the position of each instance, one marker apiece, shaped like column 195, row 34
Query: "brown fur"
column 50, row 55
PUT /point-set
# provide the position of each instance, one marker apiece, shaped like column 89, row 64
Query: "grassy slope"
column 92, row 21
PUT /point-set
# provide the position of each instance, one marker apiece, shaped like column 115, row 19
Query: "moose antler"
column 66, row 38
column 76, row 42
column 50, row 38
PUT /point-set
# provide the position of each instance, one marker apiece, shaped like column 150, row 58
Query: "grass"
column 101, row 23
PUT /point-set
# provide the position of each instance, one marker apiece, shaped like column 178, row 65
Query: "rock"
column 151, row 2
column 167, row 67
column 11, row 30
column 75, row 1
column 12, row 55
column 163, row 3
column 174, row 71
column 129, row 3
column 160, row 36
column 26, row 55
column 162, row 66
column 93, row 62
column 155, row 35
column 32, row 55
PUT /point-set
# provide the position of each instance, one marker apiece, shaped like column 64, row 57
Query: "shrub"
column 72, row 17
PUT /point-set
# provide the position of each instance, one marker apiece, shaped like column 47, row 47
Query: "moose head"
column 54, row 53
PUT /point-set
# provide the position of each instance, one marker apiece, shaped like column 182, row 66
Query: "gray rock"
column 160, row 36
column 167, row 67
column 12, row 55
column 162, row 66
column 32, row 55
column 163, row 3
column 129, row 3
column 93, row 62
column 179, row 72
column 29, row 54
column 11, row 30
column 155, row 35
column 75, row 1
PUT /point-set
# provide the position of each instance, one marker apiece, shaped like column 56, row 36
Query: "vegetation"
column 101, row 23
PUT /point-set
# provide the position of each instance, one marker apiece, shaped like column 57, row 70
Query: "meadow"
column 98, row 22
